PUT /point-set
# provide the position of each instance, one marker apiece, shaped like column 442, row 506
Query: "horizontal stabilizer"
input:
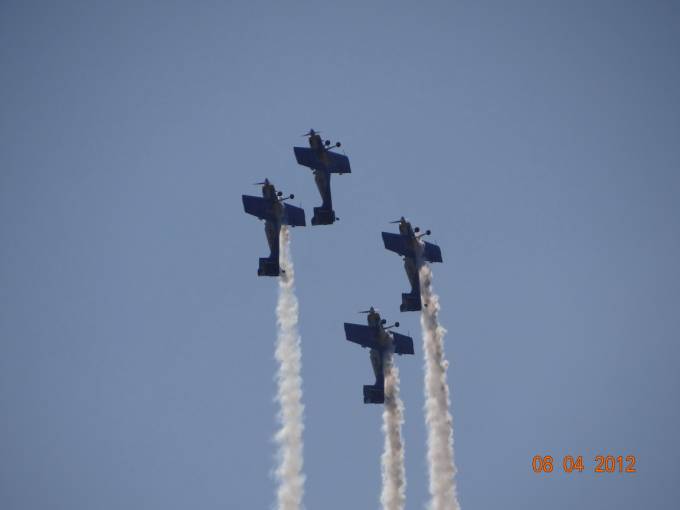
column 410, row 303
column 374, row 395
column 269, row 267
column 323, row 216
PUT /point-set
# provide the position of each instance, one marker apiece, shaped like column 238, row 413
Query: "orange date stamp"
column 569, row 464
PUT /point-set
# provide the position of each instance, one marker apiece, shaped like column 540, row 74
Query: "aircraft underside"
column 411, row 302
column 323, row 215
column 375, row 393
column 269, row 266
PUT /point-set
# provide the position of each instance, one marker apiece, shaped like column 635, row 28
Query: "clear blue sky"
column 539, row 142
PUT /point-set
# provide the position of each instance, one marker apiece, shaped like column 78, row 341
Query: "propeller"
column 369, row 311
column 266, row 181
column 399, row 220
column 311, row 132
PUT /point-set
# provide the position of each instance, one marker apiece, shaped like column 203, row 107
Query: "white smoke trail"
column 393, row 473
column 288, row 354
column 437, row 416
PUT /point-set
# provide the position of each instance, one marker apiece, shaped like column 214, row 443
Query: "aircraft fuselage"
column 272, row 229
column 322, row 177
column 384, row 340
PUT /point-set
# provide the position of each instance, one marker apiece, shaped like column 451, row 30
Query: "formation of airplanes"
column 270, row 208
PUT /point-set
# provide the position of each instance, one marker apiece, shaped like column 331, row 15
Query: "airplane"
column 379, row 339
column 407, row 243
column 274, row 212
column 323, row 163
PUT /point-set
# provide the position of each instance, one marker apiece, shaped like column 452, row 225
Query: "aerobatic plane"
column 323, row 163
column 380, row 340
column 407, row 243
column 274, row 212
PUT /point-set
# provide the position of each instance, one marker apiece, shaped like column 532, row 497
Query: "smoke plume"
column 393, row 473
column 437, row 416
column 289, row 396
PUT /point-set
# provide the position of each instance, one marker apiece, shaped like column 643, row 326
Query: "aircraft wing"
column 336, row 163
column 362, row 335
column 398, row 244
column 258, row 206
column 294, row 216
column 432, row 253
column 402, row 344
column 306, row 157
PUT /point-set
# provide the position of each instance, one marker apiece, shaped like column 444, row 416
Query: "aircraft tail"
column 374, row 394
column 323, row 216
column 410, row 302
column 269, row 267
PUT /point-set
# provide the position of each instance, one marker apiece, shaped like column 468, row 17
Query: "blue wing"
column 338, row 163
column 432, row 253
column 362, row 335
column 402, row 344
column 295, row 216
column 398, row 244
column 306, row 157
column 401, row 245
column 333, row 162
column 258, row 206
